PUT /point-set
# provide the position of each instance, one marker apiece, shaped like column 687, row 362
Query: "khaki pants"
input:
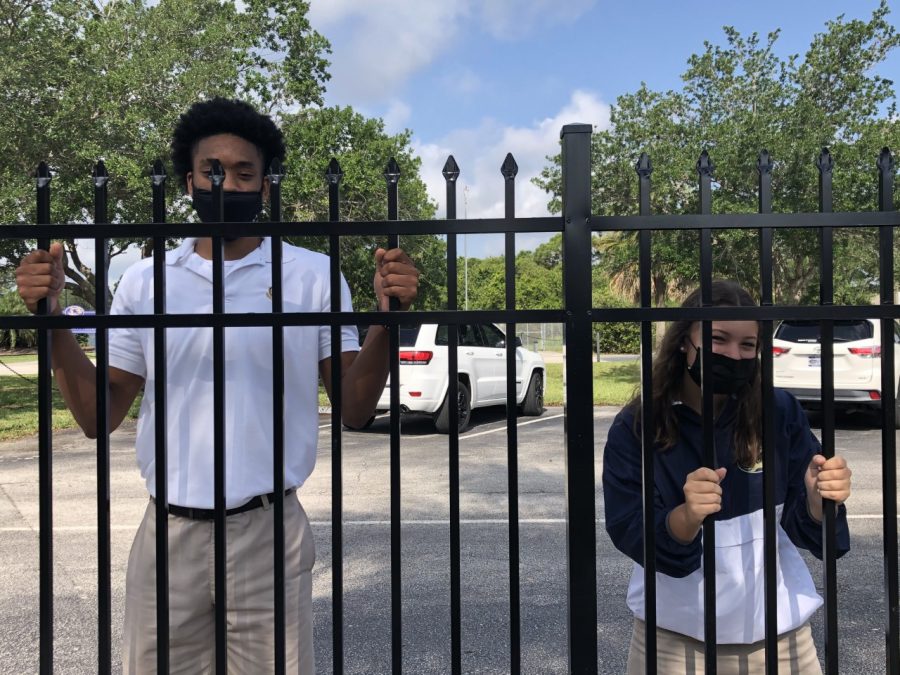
column 680, row 655
column 250, row 592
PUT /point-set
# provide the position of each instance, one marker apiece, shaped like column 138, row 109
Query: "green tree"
column 736, row 100
column 15, row 338
column 87, row 79
column 539, row 286
column 363, row 149
column 485, row 280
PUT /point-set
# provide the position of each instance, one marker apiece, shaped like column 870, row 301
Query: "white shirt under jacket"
column 248, row 370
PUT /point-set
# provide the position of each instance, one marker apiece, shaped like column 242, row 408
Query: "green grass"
column 614, row 383
column 19, row 409
column 17, row 358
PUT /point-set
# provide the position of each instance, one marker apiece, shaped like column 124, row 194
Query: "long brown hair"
column 668, row 378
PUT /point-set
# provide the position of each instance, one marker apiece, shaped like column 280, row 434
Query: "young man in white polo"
column 244, row 142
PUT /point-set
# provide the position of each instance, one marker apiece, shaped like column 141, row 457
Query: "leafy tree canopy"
column 82, row 80
column 737, row 99
column 362, row 149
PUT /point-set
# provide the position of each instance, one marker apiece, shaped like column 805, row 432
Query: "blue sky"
column 480, row 79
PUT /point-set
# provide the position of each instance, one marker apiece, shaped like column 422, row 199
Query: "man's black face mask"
column 238, row 207
column 730, row 376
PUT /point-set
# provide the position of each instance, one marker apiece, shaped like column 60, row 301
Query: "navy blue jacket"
column 742, row 491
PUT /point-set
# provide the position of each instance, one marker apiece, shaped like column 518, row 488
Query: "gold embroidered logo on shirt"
column 754, row 468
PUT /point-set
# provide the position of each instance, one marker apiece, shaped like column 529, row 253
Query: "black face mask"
column 238, row 207
column 730, row 376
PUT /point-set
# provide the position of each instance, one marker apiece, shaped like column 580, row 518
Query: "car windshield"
column 846, row 330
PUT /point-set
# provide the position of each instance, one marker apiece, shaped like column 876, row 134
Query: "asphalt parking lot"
column 425, row 549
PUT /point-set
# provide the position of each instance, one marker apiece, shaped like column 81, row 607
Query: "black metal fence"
column 577, row 225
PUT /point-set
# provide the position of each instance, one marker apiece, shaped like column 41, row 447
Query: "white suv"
column 857, row 361
column 424, row 378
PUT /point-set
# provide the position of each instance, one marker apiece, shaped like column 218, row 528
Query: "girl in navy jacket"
column 686, row 493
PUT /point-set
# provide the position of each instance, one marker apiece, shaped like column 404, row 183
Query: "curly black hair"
column 223, row 116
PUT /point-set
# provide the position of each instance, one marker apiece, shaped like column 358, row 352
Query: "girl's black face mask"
column 238, row 207
column 730, row 376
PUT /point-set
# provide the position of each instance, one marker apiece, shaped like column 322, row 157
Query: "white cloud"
column 480, row 152
column 514, row 19
column 396, row 117
column 378, row 46
column 386, row 42
column 117, row 265
column 465, row 82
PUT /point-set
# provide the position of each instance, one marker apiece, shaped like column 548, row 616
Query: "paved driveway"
column 425, row 550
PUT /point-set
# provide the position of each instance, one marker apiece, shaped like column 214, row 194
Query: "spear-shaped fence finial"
column 509, row 169
column 216, row 173
column 705, row 165
column 42, row 174
column 333, row 172
column 886, row 160
column 276, row 171
column 825, row 162
column 158, row 172
column 643, row 166
column 100, row 174
column 450, row 170
column 392, row 171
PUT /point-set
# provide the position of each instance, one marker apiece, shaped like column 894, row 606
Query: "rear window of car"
column 408, row 335
column 468, row 335
column 845, row 330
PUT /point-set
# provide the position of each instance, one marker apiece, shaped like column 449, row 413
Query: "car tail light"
column 778, row 351
column 875, row 395
column 416, row 358
column 866, row 352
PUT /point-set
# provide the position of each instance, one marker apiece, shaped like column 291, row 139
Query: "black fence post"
column 45, row 443
column 825, row 165
column 581, row 536
column 705, row 169
column 392, row 177
column 451, row 174
column 770, row 543
column 160, row 383
column 217, row 181
column 333, row 176
column 101, row 287
column 648, row 425
column 509, row 170
column 888, row 416
column 275, row 175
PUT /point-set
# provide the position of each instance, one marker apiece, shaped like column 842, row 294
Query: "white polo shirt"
column 248, row 370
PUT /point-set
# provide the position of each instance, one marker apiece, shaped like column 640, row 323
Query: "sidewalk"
column 18, row 368
column 25, row 368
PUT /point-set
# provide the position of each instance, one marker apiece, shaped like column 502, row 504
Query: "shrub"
column 617, row 338
column 15, row 338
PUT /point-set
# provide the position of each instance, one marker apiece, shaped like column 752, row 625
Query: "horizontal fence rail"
column 578, row 316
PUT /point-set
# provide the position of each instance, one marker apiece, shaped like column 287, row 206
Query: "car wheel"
column 464, row 405
column 534, row 397
column 363, row 427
